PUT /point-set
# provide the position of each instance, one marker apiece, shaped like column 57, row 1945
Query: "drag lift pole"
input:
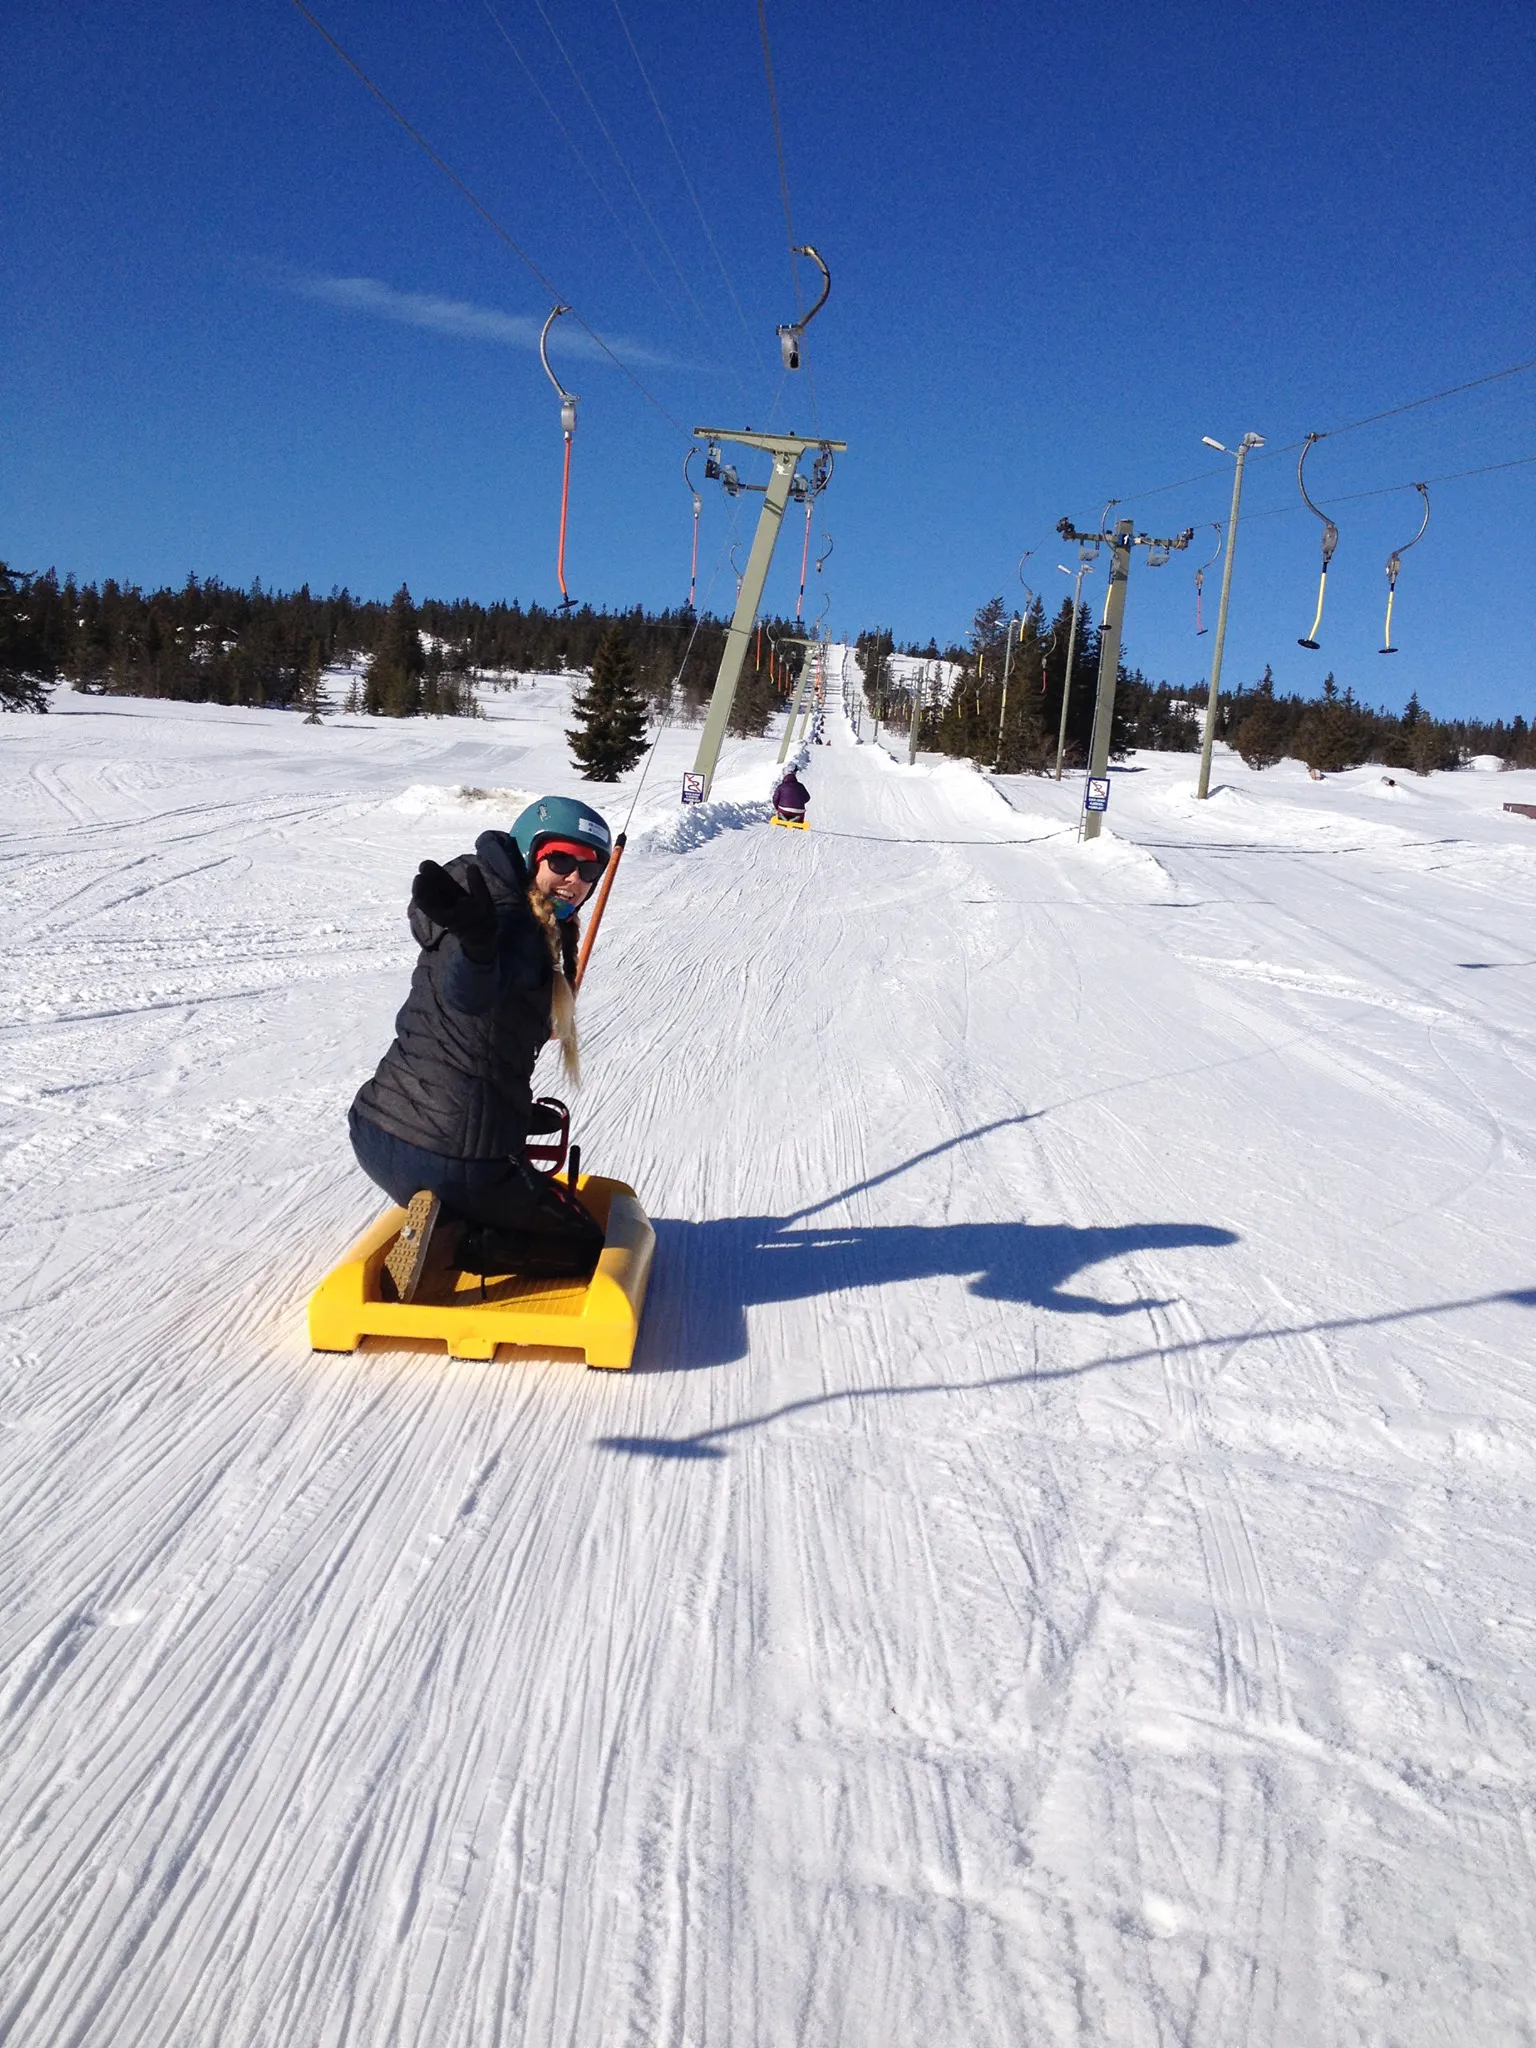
column 568, row 405
column 1395, row 563
column 1330, row 538
column 698, row 507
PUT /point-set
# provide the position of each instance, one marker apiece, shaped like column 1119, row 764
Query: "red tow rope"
column 598, row 908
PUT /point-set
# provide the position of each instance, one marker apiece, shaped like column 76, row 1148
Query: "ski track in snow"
column 1061, row 1570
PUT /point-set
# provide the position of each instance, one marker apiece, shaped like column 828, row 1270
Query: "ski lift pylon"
column 1395, row 563
column 568, row 405
column 1330, row 538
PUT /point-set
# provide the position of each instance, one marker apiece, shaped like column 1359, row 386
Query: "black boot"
column 558, row 1239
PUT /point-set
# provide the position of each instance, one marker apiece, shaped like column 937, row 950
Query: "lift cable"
column 487, row 216
column 607, row 135
column 789, row 225
column 1455, row 476
column 698, row 621
column 595, row 917
column 688, row 185
column 778, row 142
column 1370, row 420
column 1347, row 497
column 571, row 144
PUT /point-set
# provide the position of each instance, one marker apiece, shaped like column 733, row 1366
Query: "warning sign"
column 1097, row 798
column 693, row 789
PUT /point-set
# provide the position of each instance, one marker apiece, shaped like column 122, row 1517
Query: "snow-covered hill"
column 1062, row 1568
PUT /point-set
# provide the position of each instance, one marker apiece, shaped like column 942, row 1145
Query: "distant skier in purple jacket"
column 791, row 798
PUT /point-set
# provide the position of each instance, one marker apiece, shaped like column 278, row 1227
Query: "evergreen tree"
column 1260, row 736
column 757, row 699
column 611, row 737
column 1018, row 725
column 988, row 630
column 1432, row 746
column 313, row 696
column 1334, row 734
column 393, row 688
column 874, row 654
column 26, row 664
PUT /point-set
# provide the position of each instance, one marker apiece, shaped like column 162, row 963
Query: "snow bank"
column 695, row 824
column 423, row 798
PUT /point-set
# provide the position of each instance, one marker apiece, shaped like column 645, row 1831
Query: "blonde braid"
column 562, row 1006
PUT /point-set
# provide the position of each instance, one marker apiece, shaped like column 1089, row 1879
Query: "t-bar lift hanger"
column 1395, row 563
column 568, row 405
column 792, row 333
column 805, row 490
column 698, row 507
column 1330, row 538
column 1200, row 625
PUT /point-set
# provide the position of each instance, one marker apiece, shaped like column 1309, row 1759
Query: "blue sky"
column 253, row 331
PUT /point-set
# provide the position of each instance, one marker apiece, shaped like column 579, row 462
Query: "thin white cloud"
column 458, row 317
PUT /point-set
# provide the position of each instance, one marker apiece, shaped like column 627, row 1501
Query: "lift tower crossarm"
column 786, row 450
column 1132, row 540
column 775, row 444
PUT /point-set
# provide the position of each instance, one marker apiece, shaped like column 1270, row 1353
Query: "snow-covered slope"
column 1062, row 1568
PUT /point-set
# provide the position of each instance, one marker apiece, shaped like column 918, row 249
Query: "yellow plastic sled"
column 599, row 1318
column 791, row 824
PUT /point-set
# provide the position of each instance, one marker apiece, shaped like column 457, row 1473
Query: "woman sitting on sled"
column 790, row 799
column 444, row 1123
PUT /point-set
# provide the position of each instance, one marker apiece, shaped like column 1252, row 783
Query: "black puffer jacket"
column 456, row 1079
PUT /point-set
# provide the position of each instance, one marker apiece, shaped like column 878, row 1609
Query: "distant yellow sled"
column 599, row 1318
column 791, row 824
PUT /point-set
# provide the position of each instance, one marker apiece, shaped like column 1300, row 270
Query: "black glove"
column 468, row 913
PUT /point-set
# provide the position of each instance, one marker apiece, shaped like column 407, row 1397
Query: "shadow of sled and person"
column 716, row 1271
column 708, row 1275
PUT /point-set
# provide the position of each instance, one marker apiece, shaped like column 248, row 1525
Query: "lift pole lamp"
column 1240, row 455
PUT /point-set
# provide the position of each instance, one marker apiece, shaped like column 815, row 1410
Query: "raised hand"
column 468, row 913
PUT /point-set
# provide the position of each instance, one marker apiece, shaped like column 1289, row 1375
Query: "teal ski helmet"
column 560, row 817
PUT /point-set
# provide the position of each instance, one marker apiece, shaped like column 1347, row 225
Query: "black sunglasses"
column 563, row 864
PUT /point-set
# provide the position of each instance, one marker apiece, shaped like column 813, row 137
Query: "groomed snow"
column 1062, row 1567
